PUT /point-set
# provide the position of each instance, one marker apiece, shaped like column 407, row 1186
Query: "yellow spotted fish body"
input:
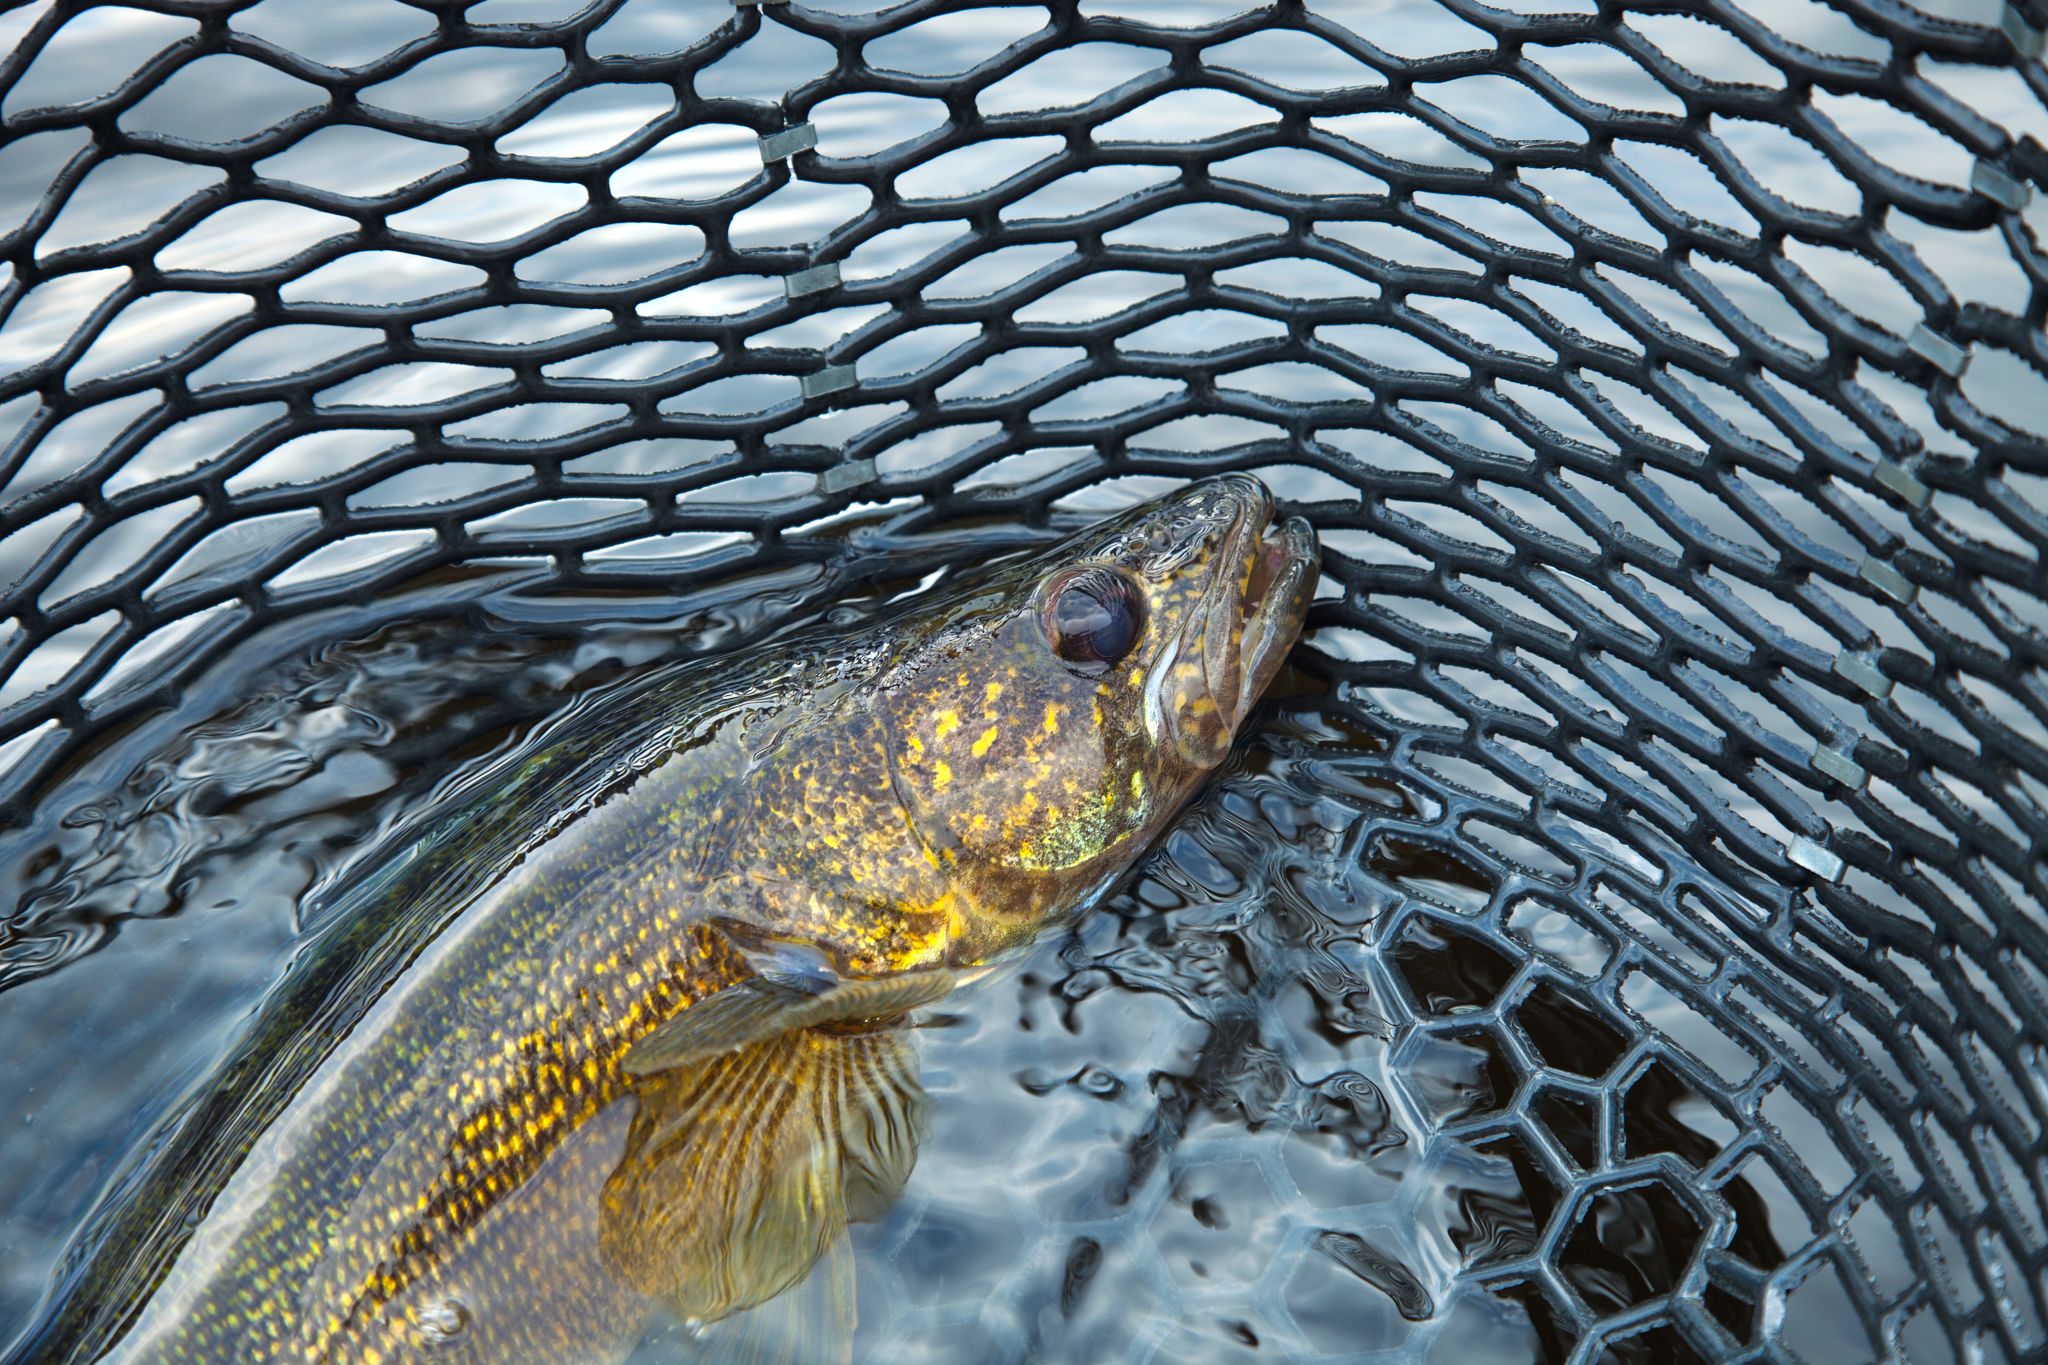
column 641, row 1067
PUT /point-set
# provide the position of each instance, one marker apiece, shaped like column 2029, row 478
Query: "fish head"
column 1061, row 708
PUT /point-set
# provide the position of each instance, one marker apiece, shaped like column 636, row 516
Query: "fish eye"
column 1094, row 616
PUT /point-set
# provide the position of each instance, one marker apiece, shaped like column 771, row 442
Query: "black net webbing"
column 1667, row 380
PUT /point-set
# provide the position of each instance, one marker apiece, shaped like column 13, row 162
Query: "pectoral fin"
column 742, row 1168
column 811, row 1323
column 762, row 1007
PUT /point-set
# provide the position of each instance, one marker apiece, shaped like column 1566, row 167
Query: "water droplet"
column 1102, row 1084
column 442, row 1321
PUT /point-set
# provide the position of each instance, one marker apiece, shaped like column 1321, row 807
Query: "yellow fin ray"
column 743, row 1169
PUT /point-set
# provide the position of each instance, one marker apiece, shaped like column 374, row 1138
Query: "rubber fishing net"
column 1625, row 941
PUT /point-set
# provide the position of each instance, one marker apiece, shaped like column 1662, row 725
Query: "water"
column 185, row 875
column 1202, row 1122
column 1376, row 1057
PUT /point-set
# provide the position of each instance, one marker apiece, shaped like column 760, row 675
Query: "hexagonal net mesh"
column 1667, row 384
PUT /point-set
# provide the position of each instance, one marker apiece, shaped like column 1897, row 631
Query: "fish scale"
column 488, row 1168
column 456, row 1176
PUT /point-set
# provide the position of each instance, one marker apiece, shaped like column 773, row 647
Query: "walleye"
column 648, row 1063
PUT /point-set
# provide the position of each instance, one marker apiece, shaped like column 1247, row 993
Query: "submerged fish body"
column 643, row 1065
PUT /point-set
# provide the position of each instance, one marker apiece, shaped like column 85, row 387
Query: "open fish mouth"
column 1258, row 599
